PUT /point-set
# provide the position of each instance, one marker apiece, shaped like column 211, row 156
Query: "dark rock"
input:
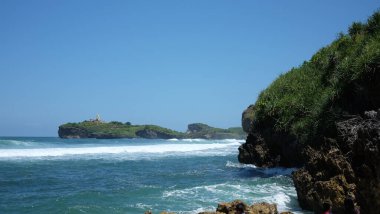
column 256, row 151
column 237, row 207
column 72, row 132
column 263, row 208
column 154, row 134
column 348, row 167
column 197, row 127
column 344, row 164
column 264, row 149
column 247, row 118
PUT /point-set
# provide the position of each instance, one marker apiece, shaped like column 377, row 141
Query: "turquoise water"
column 52, row 175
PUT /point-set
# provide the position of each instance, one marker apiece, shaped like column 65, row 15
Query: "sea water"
column 52, row 175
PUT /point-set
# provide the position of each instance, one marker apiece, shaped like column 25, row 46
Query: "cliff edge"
column 323, row 117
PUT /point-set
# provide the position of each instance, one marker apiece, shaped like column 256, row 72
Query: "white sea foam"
column 234, row 140
column 269, row 171
column 250, row 193
column 239, row 165
column 158, row 149
column 193, row 140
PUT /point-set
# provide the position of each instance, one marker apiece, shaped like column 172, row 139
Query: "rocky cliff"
column 323, row 117
column 344, row 166
column 247, row 118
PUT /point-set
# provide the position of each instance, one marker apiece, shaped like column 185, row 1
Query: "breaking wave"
column 269, row 171
column 283, row 196
column 210, row 149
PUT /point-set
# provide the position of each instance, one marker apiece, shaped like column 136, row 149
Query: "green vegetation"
column 342, row 78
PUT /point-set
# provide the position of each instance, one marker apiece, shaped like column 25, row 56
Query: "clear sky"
column 162, row 62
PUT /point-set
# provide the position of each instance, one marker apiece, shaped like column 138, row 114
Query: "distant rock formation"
column 200, row 130
column 104, row 130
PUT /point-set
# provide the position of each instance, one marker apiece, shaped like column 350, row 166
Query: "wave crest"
column 212, row 149
column 283, row 196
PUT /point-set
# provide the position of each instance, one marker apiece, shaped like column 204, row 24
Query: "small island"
column 97, row 128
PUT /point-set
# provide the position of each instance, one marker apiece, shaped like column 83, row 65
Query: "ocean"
column 53, row 175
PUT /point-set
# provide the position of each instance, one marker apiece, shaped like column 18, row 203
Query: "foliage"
column 342, row 78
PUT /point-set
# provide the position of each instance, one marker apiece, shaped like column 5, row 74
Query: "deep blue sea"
column 52, row 175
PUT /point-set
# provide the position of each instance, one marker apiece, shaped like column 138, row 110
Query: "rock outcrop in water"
column 237, row 207
column 323, row 117
column 104, row 130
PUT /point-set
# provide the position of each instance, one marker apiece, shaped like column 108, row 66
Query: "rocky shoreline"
column 239, row 207
column 323, row 117
column 340, row 167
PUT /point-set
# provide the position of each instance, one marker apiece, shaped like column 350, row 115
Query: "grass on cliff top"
column 342, row 77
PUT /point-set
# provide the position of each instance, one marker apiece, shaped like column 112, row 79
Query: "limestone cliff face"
column 72, row 132
column 348, row 165
column 247, row 118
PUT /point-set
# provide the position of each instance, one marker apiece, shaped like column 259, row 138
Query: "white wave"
column 193, row 140
column 281, row 199
column 269, row 171
column 173, row 139
column 234, row 140
column 143, row 206
column 250, row 193
column 239, row 165
column 179, row 149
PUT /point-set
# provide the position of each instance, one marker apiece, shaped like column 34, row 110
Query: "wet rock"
column 232, row 207
column 263, row 208
column 264, row 149
column 256, row 151
column 238, row 206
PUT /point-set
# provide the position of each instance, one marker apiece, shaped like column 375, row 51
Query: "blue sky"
column 168, row 63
